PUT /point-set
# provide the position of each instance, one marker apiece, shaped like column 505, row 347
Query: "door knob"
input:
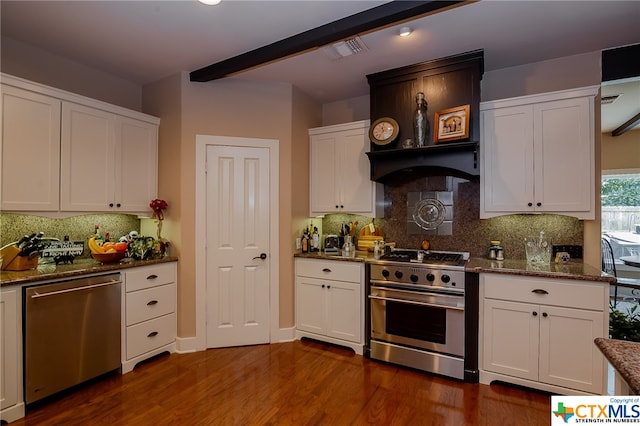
column 262, row 256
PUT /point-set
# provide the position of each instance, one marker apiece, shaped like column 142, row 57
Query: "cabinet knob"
column 337, row 206
column 322, row 285
column 538, row 204
column 118, row 205
column 110, row 204
column 530, row 204
column 544, row 314
column 328, row 286
column 535, row 314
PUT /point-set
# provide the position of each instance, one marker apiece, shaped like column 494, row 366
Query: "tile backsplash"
column 469, row 233
column 78, row 228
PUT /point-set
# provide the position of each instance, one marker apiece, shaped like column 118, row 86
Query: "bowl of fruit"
column 107, row 252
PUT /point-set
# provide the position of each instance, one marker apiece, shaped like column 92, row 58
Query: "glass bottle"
column 420, row 123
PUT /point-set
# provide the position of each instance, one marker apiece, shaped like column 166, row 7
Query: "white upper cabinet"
column 109, row 162
column 30, row 150
column 538, row 154
column 340, row 175
column 64, row 152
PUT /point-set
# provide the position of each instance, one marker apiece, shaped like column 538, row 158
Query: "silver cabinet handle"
column 69, row 290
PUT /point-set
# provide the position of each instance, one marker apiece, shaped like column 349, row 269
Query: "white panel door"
column 563, row 156
column 507, row 175
column 343, row 310
column 354, row 170
column 511, row 338
column 324, row 174
column 568, row 356
column 30, row 146
column 237, row 233
column 136, row 164
column 87, row 175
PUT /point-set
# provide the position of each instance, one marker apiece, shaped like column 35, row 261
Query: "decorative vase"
column 420, row 122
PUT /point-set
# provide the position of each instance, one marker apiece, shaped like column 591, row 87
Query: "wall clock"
column 384, row 131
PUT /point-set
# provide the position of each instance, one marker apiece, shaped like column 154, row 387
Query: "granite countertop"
column 574, row 269
column 51, row 271
column 624, row 356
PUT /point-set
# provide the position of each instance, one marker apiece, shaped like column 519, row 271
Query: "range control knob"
column 445, row 278
column 431, row 277
column 385, row 273
column 414, row 278
column 398, row 274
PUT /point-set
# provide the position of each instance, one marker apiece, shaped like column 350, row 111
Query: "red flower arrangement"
column 158, row 206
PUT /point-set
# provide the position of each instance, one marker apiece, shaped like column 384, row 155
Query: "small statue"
column 420, row 123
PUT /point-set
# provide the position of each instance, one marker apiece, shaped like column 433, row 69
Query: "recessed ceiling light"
column 210, row 2
column 404, row 31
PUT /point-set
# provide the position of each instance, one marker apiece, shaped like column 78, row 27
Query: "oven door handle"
column 415, row 302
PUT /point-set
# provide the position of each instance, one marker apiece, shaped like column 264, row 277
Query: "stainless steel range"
column 419, row 312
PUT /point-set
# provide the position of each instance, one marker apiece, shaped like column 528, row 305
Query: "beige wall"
column 230, row 107
column 346, row 110
column 621, row 152
column 23, row 60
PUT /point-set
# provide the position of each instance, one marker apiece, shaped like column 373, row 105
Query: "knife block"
column 12, row 262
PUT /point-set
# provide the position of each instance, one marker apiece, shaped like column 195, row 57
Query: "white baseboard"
column 186, row 345
column 189, row 344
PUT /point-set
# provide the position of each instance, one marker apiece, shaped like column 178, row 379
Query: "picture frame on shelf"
column 451, row 124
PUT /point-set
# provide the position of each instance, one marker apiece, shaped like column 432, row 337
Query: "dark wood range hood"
column 454, row 159
column 447, row 83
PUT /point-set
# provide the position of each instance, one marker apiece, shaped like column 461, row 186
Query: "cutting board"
column 371, row 230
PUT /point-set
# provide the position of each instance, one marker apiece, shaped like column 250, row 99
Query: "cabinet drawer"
column 568, row 293
column 143, row 305
column 327, row 269
column 149, row 276
column 150, row 335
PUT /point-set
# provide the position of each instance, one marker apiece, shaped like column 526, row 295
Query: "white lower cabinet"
column 11, row 399
column 149, row 314
column 329, row 301
column 540, row 333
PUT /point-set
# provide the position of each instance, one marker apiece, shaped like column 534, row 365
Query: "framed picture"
column 451, row 124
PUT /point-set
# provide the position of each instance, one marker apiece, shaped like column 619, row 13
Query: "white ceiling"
column 143, row 41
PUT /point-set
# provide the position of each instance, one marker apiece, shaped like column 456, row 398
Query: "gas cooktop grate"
column 432, row 257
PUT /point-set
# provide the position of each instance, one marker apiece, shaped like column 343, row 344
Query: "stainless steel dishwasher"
column 72, row 333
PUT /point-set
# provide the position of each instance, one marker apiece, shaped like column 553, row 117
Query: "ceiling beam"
column 371, row 19
column 628, row 125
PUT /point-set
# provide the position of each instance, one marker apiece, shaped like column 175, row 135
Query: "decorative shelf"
column 455, row 159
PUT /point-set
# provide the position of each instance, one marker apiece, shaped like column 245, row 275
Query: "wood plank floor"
column 295, row 383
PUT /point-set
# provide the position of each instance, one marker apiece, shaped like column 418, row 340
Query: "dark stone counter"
column 51, row 271
column 625, row 358
column 574, row 269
